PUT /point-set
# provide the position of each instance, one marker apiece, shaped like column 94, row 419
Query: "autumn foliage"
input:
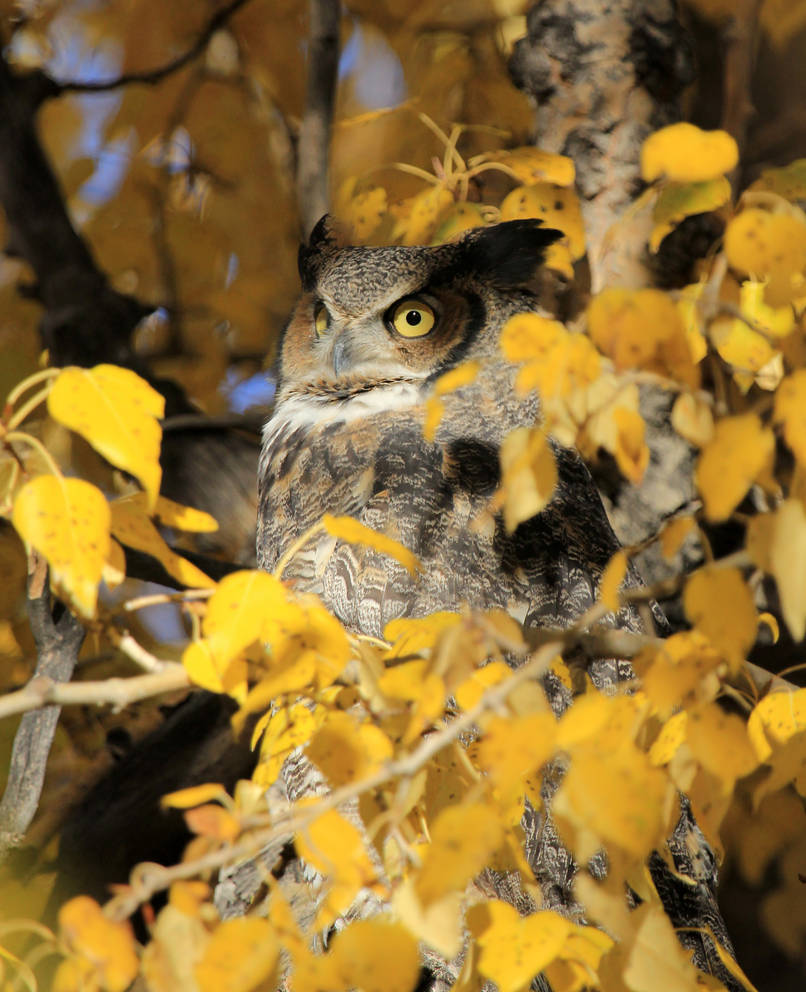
column 430, row 741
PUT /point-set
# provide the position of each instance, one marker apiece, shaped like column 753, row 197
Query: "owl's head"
column 377, row 317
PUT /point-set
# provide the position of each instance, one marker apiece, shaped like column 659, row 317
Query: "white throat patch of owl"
column 303, row 410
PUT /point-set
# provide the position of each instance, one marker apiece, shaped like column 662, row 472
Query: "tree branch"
column 151, row 77
column 43, row 691
column 314, row 133
column 58, row 644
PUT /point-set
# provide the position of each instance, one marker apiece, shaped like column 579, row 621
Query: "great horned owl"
column 373, row 331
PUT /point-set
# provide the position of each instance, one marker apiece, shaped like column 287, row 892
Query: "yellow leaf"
column 642, row 328
column 346, row 750
column 434, row 412
column 772, row 246
column 462, row 217
column 611, row 581
column 720, row 743
column 671, row 736
column 238, row 611
column 513, row 747
column 781, row 715
column 421, row 214
column 684, row 153
column 790, row 410
column 216, row 674
column 556, row 206
column 438, row 925
column 740, row 346
column 777, row 543
column 463, row 839
column 532, row 165
column 334, row 847
column 738, row 453
column 377, row 955
column 67, row 521
column 185, row 518
column 114, row 571
column 515, row 949
column 418, row 635
column 131, row 525
column 461, row 375
column 240, row 957
column 775, row 322
column 656, row 958
column 177, row 942
column 530, row 337
column 788, row 181
column 673, row 535
column 117, row 412
column 676, row 201
column 196, row 795
column 469, row 692
column 631, row 451
column 615, row 795
column 213, row 821
column 354, row 532
column 718, row 602
column 528, row 475
column 692, row 419
column 108, row 945
column 364, row 213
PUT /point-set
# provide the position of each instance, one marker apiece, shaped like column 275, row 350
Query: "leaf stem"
column 19, row 415
column 28, row 382
column 22, row 437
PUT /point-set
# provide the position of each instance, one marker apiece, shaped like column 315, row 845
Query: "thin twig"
column 115, row 692
column 152, row 76
column 58, row 644
column 314, row 133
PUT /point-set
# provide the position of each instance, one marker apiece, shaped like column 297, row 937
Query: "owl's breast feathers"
column 364, row 455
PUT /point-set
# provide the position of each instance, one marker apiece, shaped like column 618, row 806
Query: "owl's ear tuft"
column 327, row 236
column 509, row 253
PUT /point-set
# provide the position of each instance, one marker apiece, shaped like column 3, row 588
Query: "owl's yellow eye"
column 321, row 320
column 412, row 318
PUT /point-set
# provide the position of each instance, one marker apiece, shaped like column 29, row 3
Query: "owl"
column 373, row 331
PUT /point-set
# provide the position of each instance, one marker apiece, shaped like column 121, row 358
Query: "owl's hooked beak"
column 341, row 355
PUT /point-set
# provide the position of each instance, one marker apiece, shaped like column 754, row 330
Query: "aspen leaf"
column 346, row 750
column 215, row 673
column 615, row 794
column 438, row 925
column 173, row 514
column 676, row 201
column 108, row 945
column 377, row 955
column 469, row 692
column 641, row 328
column 769, row 246
column 364, row 213
column 196, row 795
column 788, row 181
column 513, row 747
column 177, row 942
column 117, row 412
column 656, row 959
column 777, row 543
column 67, row 521
column 528, row 475
column 720, row 743
column 240, row 957
column 133, row 527
column 418, row 635
column 671, row 736
column 556, row 206
column 212, row 821
column 462, row 217
column 776, row 720
column 738, row 453
column 421, row 215
column 354, row 532
column 775, row 322
column 790, row 410
column 461, row 375
column 434, row 412
column 611, row 581
column 463, row 839
column 693, row 419
column 684, row 153
column 530, row 337
column 515, row 949
column 674, row 534
column 631, row 451
column 745, row 349
column 532, row 165
column 238, row 611
column 719, row 603
column 334, row 847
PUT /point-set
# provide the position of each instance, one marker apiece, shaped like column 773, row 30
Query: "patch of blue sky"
column 242, row 394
